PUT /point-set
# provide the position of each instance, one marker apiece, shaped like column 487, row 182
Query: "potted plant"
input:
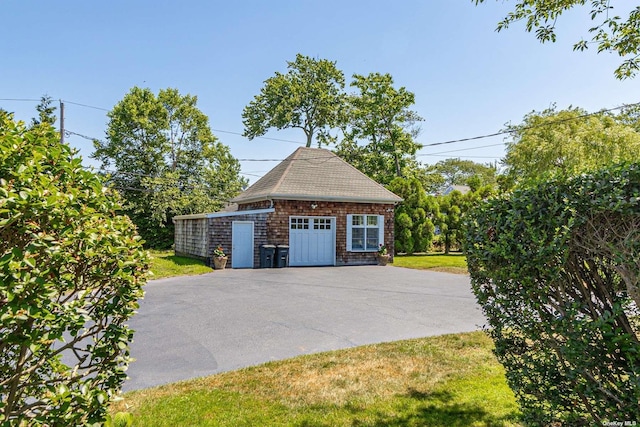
column 219, row 258
column 383, row 255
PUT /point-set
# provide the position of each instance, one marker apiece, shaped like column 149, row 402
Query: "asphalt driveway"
column 195, row 326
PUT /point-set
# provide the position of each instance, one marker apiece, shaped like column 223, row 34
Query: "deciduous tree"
column 309, row 97
column 165, row 160
column 610, row 32
column 380, row 131
column 569, row 142
column 463, row 172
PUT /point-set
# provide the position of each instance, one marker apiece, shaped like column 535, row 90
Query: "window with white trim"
column 365, row 233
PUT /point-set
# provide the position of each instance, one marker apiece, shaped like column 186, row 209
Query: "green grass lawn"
column 452, row 263
column 166, row 264
column 451, row 380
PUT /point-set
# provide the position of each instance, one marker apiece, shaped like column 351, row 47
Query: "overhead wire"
column 20, row 99
column 434, row 144
column 127, row 185
column 462, row 149
column 509, row 131
column 261, row 137
column 84, row 105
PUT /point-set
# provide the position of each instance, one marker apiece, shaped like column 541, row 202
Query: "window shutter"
column 381, row 230
column 349, row 222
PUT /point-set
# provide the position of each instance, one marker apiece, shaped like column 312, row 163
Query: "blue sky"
column 468, row 80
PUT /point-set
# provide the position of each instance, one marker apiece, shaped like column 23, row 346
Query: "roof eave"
column 317, row 198
column 222, row 214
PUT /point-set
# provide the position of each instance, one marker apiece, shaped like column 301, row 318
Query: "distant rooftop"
column 464, row 189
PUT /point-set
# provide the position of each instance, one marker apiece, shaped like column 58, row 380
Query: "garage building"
column 326, row 211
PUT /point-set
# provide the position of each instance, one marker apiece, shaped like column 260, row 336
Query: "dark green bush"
column 71, row 272
column 556, row 269
column 414, row 229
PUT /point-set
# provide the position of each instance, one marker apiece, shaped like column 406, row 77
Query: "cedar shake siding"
column 278, row 225
column 192, row 238
column 220, row 234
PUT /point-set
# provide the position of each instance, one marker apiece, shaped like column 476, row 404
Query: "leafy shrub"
column 414, row 229
column 556, row 269
column 71, row 272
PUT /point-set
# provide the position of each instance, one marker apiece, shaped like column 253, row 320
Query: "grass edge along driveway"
column 450, row 380
column 166, row 264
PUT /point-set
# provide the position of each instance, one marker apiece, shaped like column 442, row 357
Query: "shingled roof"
column 316, row 174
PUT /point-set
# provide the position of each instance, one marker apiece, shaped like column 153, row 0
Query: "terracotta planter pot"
column 219, row 263
column 383, row 259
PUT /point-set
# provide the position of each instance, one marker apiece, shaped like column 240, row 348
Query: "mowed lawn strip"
column 451, row 380
column 166, row 264
column 451, row 263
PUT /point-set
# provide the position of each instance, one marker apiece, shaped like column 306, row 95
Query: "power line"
column 473, row 138
column 20, row 99
column 276, row 160
column 453, row 141
column 466, row 157
column 505, row 132
column 261, row 137
column 63, row 100
column 67, row 132
column 85, row 105
column 113, row 180
column 462, row 149
column 322, row 157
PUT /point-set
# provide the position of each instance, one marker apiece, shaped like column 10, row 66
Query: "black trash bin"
column 282, row 256
column 267, row 256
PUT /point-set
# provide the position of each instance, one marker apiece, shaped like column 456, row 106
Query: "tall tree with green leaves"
column 610, row 33
column 309, row 97
column 379, row 136
column 463, row 172
column 568, row 142
column 163, row 158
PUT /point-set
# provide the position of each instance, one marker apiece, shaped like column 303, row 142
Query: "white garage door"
column 312, row 241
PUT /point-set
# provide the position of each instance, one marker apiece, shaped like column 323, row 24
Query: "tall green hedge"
column 71, row 273
column 556, row 269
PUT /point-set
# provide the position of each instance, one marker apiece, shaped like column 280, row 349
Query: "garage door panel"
column 311, row 241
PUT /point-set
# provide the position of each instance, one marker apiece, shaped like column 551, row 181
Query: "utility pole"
column 61, row 122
